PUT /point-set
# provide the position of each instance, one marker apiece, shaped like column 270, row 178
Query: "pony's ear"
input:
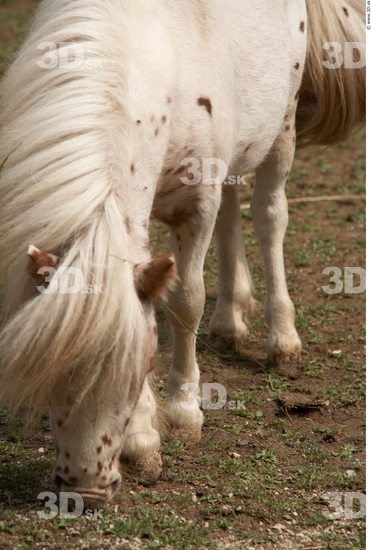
column 155, row 278
column 40, row 259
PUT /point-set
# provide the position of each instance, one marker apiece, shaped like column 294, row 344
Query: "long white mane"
column 65, row 190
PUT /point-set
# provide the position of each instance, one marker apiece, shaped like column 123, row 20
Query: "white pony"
column 100, row 107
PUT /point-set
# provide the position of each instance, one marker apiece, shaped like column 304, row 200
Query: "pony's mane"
column 63, row 189
column 332, row 102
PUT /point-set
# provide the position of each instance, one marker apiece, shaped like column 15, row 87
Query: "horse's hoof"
column 286, row 365
column 147, row 469
column 190, row 435
column 228, row 343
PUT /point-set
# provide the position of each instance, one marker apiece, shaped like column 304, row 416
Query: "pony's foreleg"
column 270, row 216
column 142, row 439
column 185, row 305
column 235, row 303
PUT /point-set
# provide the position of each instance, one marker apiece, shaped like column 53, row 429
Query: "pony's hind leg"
column 142, row 438
column 235, row 302
column 270, row 216
column 190, row 241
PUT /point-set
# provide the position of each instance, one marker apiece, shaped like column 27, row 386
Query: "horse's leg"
column 190, row 242
column 270, row 216
column 142, row 439
column 235, row 303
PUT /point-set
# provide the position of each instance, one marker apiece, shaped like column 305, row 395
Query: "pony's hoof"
column 147, row 469
column 287, row 366
column 190, row 435
column 223, row 343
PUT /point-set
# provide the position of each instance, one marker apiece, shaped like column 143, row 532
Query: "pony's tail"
column 332, row 101
column 78, row 337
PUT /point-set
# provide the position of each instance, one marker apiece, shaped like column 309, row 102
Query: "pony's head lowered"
column 89, row 426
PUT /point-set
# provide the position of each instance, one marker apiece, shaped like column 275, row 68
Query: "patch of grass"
column 160, row 529
column 19, row 479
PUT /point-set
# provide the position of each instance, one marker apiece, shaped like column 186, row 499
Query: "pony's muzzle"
column 94, row 498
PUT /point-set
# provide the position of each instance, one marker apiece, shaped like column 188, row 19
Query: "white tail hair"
column 62, row 188
column 332, row 102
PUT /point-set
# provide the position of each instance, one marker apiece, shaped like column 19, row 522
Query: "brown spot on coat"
column 67, row 455
column 164, row 119
column 99, row 450
column 127, row 224
column 205, row 102
column 66, row 469
column 99, row 466
column 156, row 132
column 178, row 238
column 169, row 100
column 106, row 440
column 302, row 26
column 85, row 470
column 60, row 423
column 73, row 480
column 104, row 478
column 132, row 168
column 177, row 218
column 297, row 65
column 180, row 170
column 58, row 469
column 346, row 12
column 287, row 127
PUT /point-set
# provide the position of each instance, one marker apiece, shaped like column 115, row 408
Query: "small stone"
column 41, row 450
column 235, row 456
column 279, row 527
column 212, row 483
column 350, row 473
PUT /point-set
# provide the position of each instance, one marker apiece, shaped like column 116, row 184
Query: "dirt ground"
column 260, row 476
